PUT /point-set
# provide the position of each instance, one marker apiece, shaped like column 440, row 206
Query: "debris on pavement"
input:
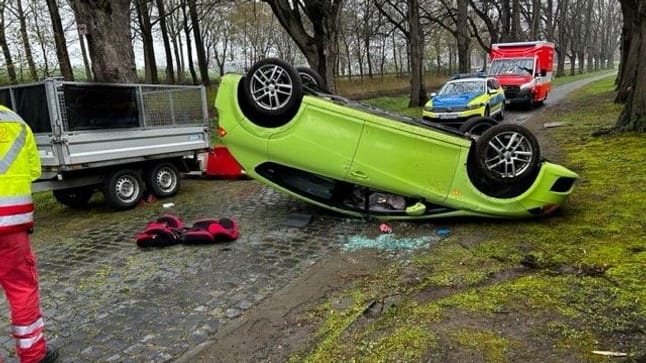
column 387, row 242
column 385, row 228
column 608, row 353
column 548, row 125
column 442, row 231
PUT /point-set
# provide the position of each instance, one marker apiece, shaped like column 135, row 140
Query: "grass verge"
column 561, row 288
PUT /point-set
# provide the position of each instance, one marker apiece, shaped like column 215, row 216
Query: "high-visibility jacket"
column 19, row 166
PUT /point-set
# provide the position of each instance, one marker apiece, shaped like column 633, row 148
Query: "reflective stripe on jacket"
column 19, row 166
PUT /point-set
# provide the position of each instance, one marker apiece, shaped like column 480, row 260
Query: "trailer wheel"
column 74, row 197
column 123, row 189
column 163, row 180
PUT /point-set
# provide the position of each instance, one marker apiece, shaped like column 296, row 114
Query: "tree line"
column 187, row 41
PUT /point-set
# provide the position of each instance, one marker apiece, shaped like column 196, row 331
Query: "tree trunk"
column 170, row 73
column 6, row 52
column 516, row 30
column 505, row 17
column 536, row 20
column 84, row 55
column 176, row 41
column 25, row 41
column 59, row 40
column 463, row 38
column 43, row 44
column 633, row 115
column 418, row 95
column 108, row 37
column 628, row 63
column 189, row 48
column 145, row 26
column 321, row 48
column 202, row 62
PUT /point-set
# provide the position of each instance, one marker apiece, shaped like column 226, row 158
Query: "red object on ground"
column 384, row 228
column 220, row 163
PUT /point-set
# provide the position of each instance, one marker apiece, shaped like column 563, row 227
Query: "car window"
column 456, row 88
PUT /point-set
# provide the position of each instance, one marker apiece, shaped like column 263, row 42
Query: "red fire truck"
column 523, row 69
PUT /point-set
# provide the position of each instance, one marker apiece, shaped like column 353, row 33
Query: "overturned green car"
column 288, row 132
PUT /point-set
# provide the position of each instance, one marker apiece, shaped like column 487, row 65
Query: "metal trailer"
column 124, row 140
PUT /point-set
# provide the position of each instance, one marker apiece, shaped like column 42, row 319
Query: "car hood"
column 453, row 100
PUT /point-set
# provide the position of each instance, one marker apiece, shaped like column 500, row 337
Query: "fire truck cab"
column 523, row 69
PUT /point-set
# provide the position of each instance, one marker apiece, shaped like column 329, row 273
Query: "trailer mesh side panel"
column 171, row 106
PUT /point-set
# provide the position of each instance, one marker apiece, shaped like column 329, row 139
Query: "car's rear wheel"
column 501, row 115
column 477, row 125
column 507, row 153
column 312, row 79
column 273, row 91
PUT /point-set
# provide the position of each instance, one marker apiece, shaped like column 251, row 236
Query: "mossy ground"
column 551, row 289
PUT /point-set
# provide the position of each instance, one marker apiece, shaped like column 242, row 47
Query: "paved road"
column 105, row 300
column 519, row 114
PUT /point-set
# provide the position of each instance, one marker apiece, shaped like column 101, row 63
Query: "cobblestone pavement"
column 105, row 300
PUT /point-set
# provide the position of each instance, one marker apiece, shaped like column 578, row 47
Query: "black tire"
column 312, row 79
column 74, row 197
column 272, row 90
column 163, row 180
column 507, row 153
column 477, row 125
column 123, row 189
column 501, row 115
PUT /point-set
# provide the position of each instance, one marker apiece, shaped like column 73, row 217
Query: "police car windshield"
column 460, row 87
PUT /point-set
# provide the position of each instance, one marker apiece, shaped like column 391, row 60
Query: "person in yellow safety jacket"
column 19, row 166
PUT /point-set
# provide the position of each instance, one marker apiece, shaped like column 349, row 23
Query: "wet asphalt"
column 106, row 300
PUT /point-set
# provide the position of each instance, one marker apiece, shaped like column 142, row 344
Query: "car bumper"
column 518, row 96
column 451, row 118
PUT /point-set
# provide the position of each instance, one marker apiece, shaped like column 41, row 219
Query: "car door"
column 322, row 138
column 406, row 159
column 497, row 97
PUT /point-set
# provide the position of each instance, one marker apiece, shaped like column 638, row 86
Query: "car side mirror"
column 433, row 94
column 543, row 73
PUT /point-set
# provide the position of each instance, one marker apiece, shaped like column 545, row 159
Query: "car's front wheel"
column 272, row 90
column 507, row 153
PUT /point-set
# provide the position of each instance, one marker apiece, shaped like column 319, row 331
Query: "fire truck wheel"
column 123, row 189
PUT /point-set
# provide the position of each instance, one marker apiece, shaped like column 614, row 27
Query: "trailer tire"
column 163, row 180
column 123, row 189
column 74, row 197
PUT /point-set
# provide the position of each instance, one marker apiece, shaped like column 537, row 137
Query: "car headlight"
column 428, row 108
column 527, row 85
column 475, row 106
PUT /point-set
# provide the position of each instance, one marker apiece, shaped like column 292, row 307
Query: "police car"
column 463, row 97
